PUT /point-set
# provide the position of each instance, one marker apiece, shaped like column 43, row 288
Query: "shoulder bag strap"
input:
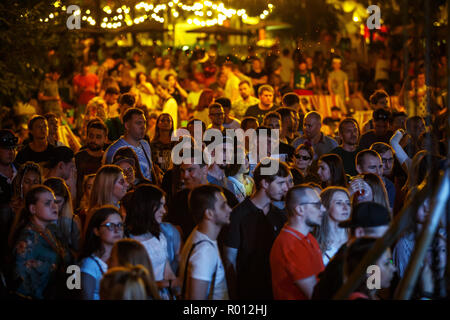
column 183, row 289
column 150, row 166
column 98, row 264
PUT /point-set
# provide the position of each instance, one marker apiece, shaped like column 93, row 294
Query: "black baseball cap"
column 382, row 114
column 8, row 139
column 58, row 154
column 366, row 215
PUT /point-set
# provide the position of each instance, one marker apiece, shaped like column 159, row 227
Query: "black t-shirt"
column 86, row 164
column 288, row 150
column 27, row 154
column 257, row 75
column 253, row 234
column 255, row 111
column 348, row 159
column 368, row 138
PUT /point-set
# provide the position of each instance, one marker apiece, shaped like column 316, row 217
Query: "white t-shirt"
column 157, row 252
column 203, row 262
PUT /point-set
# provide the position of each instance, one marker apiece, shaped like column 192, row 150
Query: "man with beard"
column 255, row 223
column 295, row 258
column 89, row 160
column 246, row 100
column 135, row 128
column 349, row 132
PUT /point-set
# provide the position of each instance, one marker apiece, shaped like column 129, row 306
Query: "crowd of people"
column 106, row 194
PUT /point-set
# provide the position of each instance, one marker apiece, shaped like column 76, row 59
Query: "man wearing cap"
column 295, row 258
column 8, row 145
column 368, row 219
column 381, row 131
column 38, row 150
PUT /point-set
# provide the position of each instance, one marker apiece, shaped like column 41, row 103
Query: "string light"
column 204, row 9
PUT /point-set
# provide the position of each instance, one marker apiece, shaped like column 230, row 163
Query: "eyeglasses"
column 317, row 204
column 113, row 226
column 304, row 158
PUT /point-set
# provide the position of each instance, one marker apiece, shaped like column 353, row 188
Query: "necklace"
column 51, row 240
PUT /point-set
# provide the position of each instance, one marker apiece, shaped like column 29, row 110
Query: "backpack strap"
column 213, row 280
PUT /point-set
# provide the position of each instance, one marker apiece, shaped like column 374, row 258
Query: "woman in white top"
column 146, row 91
column 104, row 229
column 143, row 222
column 329, row 235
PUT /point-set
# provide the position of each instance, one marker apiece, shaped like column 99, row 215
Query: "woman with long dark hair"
column 127, row 159
column 143, row 223
column 331, row 171
column 104, row 229
column 162, row 144
column 40, row 258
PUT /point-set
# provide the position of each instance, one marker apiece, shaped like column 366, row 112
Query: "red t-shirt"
column 87, row 86
column 293, row 257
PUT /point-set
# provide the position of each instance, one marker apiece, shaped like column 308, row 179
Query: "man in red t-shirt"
column 295, row 258
column 86, row 86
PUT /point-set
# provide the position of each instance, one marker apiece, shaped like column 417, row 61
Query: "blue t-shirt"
column 143, row 154
column 94, row 267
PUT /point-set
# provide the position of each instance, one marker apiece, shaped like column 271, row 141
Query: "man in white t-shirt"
column 201, row 267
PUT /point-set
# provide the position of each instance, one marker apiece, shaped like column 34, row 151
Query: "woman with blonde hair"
column 29, row 174
column 126, row 283
column 329, row 235
column 110, row 186
column 95, row 109
column 69, row 225
column 201, row 111
column 129, row 252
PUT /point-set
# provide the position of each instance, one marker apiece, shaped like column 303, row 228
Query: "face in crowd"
column 136, row 127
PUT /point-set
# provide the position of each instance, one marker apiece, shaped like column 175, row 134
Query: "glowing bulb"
column 119, row 10
column 266, row 12
column 209, row 13
column 103, row 25
column 189, row 21
column 51, row 16
column 105, row 19
column 355, row 18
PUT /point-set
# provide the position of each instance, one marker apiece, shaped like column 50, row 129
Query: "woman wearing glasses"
column 302, row 173
column 329, row 235
column 104, row 229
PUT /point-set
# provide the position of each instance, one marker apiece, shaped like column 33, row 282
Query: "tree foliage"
column 25, row 43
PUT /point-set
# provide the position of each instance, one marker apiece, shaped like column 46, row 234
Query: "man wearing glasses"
column 295, row 258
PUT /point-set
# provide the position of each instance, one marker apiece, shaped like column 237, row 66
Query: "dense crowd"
column 89, row 179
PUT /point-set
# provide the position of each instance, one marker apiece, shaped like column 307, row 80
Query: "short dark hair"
column 396, row 114
column 97, row 123
column 377, row 95
column 265, row 87
column 31, row 122
column 244, row 82
column 356, row 252
column 295, row 195
column 290, row 99
column 224, row 102
column 348, row 120
column 214, row 105
column 363, row 153
column 112, row 90
column 246, row 120
column 272, row 114
column 130, row 113
column 283, row 171
column 127, row 99
column 381, row 147
column 201, row 198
